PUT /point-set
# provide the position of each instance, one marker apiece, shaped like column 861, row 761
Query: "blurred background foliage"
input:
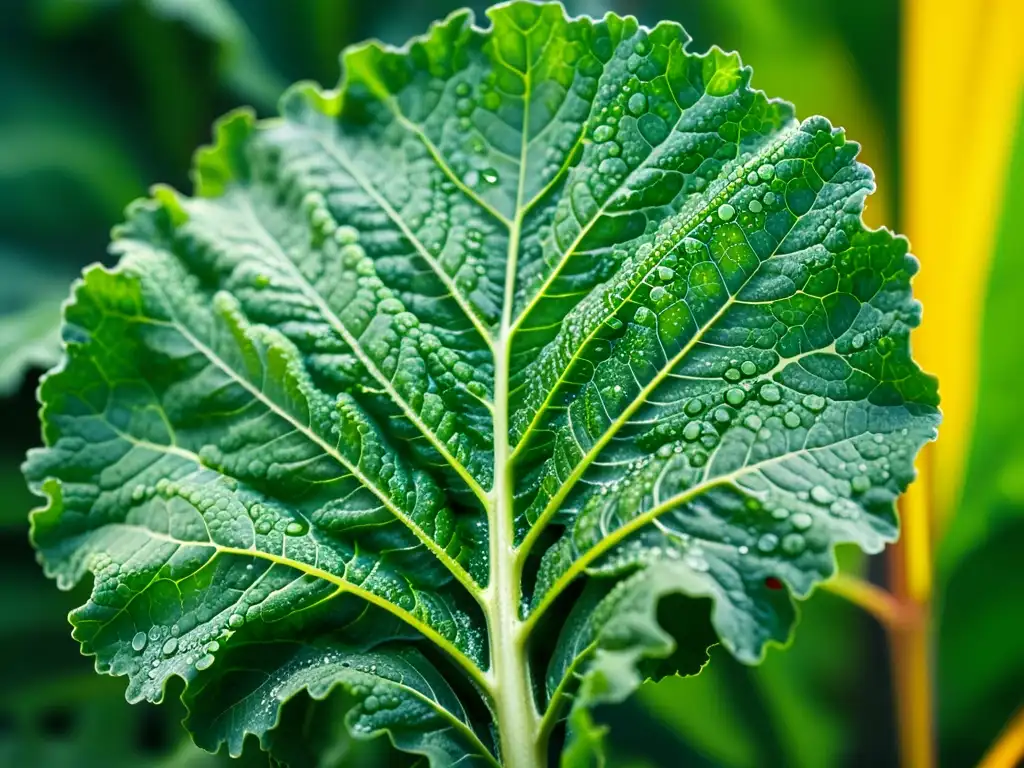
column 103, row 97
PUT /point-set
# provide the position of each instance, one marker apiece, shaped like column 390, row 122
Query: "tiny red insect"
column 773, row 583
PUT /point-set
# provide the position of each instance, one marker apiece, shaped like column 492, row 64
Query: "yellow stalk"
column 963, row 68
column 1008, row 750
column 962, row 74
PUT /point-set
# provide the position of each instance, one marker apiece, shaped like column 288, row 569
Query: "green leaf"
column 449, row 380
column 794, row 709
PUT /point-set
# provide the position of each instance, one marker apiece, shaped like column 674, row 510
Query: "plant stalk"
column 1008, row 750
column 911, row 641
column 873, row 599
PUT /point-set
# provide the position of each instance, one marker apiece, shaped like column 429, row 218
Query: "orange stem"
column 911, row 643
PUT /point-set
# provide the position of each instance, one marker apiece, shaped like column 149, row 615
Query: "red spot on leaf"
column 773, row 583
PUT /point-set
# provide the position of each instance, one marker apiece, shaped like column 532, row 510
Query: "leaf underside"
column 557, row 292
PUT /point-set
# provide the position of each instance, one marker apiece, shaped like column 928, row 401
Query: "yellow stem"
column 1008, row 749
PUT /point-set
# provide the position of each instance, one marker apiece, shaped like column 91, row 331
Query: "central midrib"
column 515, row 707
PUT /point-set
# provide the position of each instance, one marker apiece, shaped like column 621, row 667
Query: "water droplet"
column 722, row 416
column 237, row 621
column 694, row 407
column 637, row 104
column 295, row 528
column 603, row 133
column 735, row 396
column 753, row 422
column 858, row 341
column 139, row 641
column 692, row 431
column 802, row 521
column 658, row 293
column 860, row 484
column 768, row 542
column 614, row 323
column 770, row 393
column 755, row 206
column 780, row 513
column 666, row 273
column 793, row 544
column 698, row 564
column 743, row 549
column 822, row 495
column 726, row 211
column 766, row 171
column 170, row 646
column 733, row 374
column 205, row 663
column 791, row 420
column 814, row 403
column 489, row 175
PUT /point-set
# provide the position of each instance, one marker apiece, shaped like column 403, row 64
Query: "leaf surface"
column 553, row 313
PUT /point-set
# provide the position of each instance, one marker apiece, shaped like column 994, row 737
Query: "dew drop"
column 698, row 564
column 489, row 175
column 735, row 396
column 139, row 641
column 793, row 544
column 295, row 528
column 814, row 403
column 170, row 646
column 791, row 420
column 691, row 431
column 726, row 212
column 694, row 407
column 755, row 206
column 205, row 663
column 637, row 104
column 802, row 521
column 822, row 495
column 666, row 273
column 860, row 484
column 770, row 393
column 768, row 542
column 237, row 621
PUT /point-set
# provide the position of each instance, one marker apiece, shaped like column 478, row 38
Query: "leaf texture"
column 553, row 313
